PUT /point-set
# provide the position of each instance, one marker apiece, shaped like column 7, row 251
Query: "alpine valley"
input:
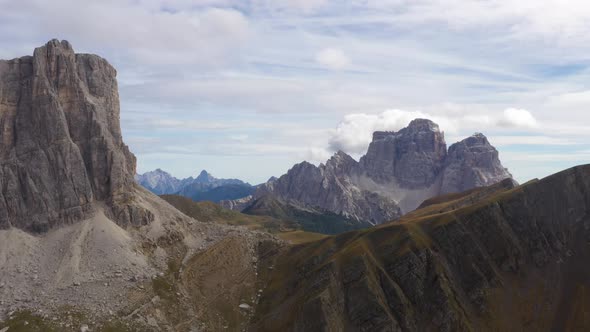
column 414, row 236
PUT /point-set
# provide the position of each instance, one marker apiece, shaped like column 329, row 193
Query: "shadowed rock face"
column 330, row 188
column 514, row 261
column 413, row 156
column 471, row 163
column 61, row 148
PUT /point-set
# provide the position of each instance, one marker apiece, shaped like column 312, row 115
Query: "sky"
column 247, row 88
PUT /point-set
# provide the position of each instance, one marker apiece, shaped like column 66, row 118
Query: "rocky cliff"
column 515, row 260
column 399, row 171
column 111, row 254
column 413, row 156
column 330, row 187
column 60, row 141
column 471, row 163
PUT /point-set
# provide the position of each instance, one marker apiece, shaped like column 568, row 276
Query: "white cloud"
column 518, row 118
column 239, row 138
column 279, row 6
column 354, row 133
column 548, row 20
column 571, row 99
column 231, row 68
column 332, row 58
column 141, row 33
column 504, row 140
column 317, row 155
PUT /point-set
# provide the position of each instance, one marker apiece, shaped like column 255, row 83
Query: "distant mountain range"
column 399, row 171
column 204, row 187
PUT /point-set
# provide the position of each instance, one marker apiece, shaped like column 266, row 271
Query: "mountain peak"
column 476, row 139
column 415, row 126
column 204, row 177
column 340, row 158
column 423, row 125
column 340, row 155
column 413, row 156
column 68, row 112
column 472, row 162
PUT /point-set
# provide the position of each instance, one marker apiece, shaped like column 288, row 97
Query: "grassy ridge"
column 493, row 259
column 286, row 229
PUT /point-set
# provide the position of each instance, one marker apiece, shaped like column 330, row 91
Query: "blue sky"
column 245, row 89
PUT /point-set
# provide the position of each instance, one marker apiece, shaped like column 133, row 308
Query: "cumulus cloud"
column 332, row 58
column 146, row 32
column 354, row 133
column 518, row 118
column 317, row 155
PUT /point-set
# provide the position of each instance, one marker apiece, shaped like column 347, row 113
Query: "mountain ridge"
column 483, row 266
column 399, row 171
column 204, row 187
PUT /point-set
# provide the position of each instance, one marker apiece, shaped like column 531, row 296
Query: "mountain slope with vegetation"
column 211, row 212
column 515, row 260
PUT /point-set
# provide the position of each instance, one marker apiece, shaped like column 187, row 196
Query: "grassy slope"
column 211, row 212
column 516, row 259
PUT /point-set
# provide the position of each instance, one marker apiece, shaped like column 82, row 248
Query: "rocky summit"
column 413, row 157
column 61, row 148
column 399, row 171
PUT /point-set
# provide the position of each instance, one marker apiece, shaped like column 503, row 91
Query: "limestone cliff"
column 61, row 149
column 413, row 156
column 471, row 163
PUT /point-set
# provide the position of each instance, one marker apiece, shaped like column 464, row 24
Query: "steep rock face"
column 329, row 187
column 471, row 163
column 60, row 141
column 413, row 156
column 482, row 267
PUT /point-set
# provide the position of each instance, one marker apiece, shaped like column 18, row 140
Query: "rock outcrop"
column 413, row 156
column 514, row 261
column 61, row 148
column 331, row 188
column 399, row 171
column 471, row 163
column 107, row 246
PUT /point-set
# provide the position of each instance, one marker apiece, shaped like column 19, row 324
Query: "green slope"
column 514, row 260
